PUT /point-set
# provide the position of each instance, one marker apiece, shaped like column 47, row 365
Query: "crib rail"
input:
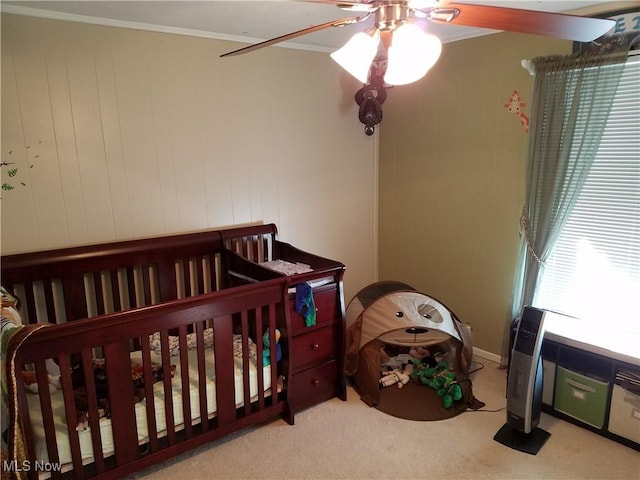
column 254, row 243
column 260, row 244
column 236, row 319
column 73, row 283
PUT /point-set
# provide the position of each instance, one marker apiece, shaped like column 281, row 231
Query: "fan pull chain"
column 524, row 230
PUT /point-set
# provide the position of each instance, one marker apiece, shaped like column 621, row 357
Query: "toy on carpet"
column 266, row 353
column 441, row 379
column 397, row 376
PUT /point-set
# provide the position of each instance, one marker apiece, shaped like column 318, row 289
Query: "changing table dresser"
column 317, row 351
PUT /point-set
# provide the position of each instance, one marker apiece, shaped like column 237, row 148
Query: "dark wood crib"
column 205, row 305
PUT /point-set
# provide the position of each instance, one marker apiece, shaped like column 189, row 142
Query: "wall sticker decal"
column 515, row 105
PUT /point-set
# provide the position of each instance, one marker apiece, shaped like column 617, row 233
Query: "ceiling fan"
column 397, row 51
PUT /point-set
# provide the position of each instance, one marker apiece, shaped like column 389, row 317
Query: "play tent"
column 390, row 317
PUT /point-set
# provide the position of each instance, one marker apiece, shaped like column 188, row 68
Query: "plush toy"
column 398, row 361
column 32, row 385
column 419, row 352
column 441, row 379
column 397, row 376
column 266, row 353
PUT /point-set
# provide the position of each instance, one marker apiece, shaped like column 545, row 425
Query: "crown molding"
column 109, row 22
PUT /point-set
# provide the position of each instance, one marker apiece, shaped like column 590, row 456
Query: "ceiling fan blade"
column 569, row 27
column 299, row 33
column 351, row 5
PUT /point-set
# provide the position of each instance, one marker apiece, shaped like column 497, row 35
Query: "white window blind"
column 594, row 271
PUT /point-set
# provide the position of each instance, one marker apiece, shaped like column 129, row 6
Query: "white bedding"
column 62, row 438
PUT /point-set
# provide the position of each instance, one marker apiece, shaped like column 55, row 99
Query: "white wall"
column 122, row 134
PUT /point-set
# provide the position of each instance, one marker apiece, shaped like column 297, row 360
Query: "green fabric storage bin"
column 581, row 397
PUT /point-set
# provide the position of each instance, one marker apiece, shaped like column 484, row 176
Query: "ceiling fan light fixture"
column 357, row 54
column 411, row 54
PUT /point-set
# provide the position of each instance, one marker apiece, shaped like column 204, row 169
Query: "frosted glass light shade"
column 411, row 54
column 357, row 54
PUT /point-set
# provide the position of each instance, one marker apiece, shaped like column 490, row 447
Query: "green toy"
column 441, row 379
column 266, row 353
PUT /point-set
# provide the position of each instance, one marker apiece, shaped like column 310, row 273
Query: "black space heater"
column 524, row 387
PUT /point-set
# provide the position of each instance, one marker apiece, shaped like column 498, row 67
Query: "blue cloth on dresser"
column 305, row 305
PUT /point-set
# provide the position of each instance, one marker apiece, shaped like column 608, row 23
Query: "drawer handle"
column 315, row 381
column 580, row 386
column 315, row 346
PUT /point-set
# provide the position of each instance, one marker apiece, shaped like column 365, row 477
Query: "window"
column 594, row 271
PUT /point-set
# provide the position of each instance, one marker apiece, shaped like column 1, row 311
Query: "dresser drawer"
column 316, row 346
column 315, row 384
column 326, row 301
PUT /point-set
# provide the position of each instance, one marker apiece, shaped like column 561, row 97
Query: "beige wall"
column 134, row 134
column 452, row 163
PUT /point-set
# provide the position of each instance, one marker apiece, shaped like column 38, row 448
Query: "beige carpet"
column 348, row 440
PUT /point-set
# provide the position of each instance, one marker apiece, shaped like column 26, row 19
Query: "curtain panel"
column 571, row 100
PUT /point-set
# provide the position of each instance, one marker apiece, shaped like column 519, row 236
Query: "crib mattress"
column 86, row 446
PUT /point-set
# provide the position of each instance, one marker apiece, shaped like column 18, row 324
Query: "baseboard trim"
column 487, row 355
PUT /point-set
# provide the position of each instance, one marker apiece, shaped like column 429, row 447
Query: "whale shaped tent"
column 393, row 316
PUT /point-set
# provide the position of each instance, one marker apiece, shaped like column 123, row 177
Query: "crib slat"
column 74, row 298
column 225, row 385
column 131, row 286
column 69, row 403
column 199, row 272
column 167, row 280
column 99, row 289
column 123, row 418
column 186, row 278
column 115, row 291
column 245, row 247
column 152, row 427
column 213, row 273
column 146, row 285
column 255, row 254
column 259, row 362
column 47, row 410
column 184, row 369
column 166, row 383
column 246, row 379
column 48, row 299
column 93, row 415
column 30, row 301
column 274, row 371
column 202, row 376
